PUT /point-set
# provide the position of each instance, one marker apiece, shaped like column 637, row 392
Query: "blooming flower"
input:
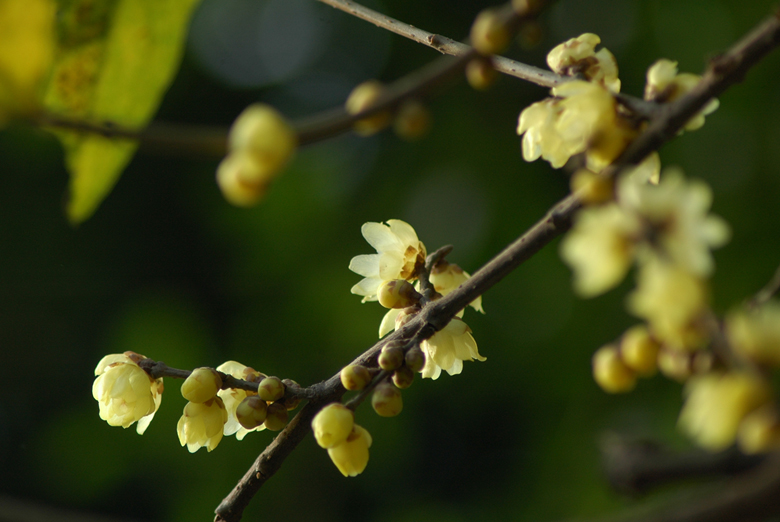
column 446, row 277
column 664, row 84
column 716, row 404
column 448, row 348
column 201, row 424
column 600, row 248
column 125, row 392
column 540, row 137
column 678, row 211
column 232, row 397
column 578, row 56
column 399, row 255
column 351, row 456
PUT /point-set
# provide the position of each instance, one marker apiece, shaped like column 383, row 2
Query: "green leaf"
column 116, row 59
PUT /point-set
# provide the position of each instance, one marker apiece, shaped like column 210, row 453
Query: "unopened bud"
column 355, row 377
column 264, row 133
column 201, row 385
column 592, row 188
column 386, row 400
column 277, row 416
column 397, row 294
column 251, row 412
column 361, row 98
column 290, row 402
column 674, row 364
column 480, row 74
column 391, row 357
column 412, row 121
column 489, row 32
column 415, row 359
column 332, row 425
column 610, row 372
column 271, row 389
column 403, row 377
column 241, row 180
column 639, row 350
column 759, row 431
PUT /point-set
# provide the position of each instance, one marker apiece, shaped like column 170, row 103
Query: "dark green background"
column 168, row 269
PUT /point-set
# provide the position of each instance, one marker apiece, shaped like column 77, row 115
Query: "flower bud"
column 489, row 32
column 674, row 364
column 397, row 294
column 610, row 372
column 290, row 402
column 361, row 98
column 415, row 359
column 639, row 350
column 391, row 357
column 263, row 133
column 271, row 389
column 351, row 457
column 241, row 180
column 277, row 416
column 386, row 400
column 201, row 385
column 251, row 412
column 355, row 377
column 759, row 431
column 403, row 377
column 480, row 74
column 332, row 425
column 526, row 7
column 592, row 188
column 412, row 121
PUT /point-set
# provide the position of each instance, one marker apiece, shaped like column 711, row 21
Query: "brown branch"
column 723, row 72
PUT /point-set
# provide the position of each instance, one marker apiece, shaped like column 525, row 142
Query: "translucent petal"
column 366, row 265
column 404, row 232
column 390, row 265
column 380, row 237
column 388, row 322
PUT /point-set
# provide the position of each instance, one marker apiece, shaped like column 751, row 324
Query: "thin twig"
column 771, row 289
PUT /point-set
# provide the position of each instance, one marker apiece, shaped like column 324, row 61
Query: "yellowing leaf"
column 117, row 59
column 26, row 50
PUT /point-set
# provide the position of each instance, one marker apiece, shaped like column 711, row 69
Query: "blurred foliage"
column 168, row 269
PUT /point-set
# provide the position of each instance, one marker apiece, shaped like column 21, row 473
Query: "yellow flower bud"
column 489, row 32
column 639, row 350
column 403, row 377
column 391, row 357
column 415, row 359
column 271, row 389
column 592, row 188
column 610, row 372
column 412, row 121
column 332, row 425
column 201, row 385
column 201, row 424
column 386, row 400
column 675, row 364
column 355, row 377
column 398, row 293
column 756, row 335
column 251, row 412
column 480, row 74
column 361, row 98
column 759, row 431
column 242, row 182
column 351, row 456
column 277, row 416
column 263, row 133
column 125, row 392
column 232, row 397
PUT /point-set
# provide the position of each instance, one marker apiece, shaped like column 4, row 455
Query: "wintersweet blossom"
column 664, row 84
column 716, row 405
column 670, row 299
column 448, row 348
column 332, row 425
column 125, row 392
column 201, row 424
column 678, row 211
column 756, row 334
column 600, row 248
column 399, row 256
column 232, row 397
column 540, row 136
column 351, row 456
column 579, row 56
column 446, row 277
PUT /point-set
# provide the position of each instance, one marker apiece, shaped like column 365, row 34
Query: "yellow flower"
column 201, row 385
column 678, row 212
column 399, row 256
column 716, row 404
column 201, row 424
column 446, row 277
column 600, row 248
column 332, row 425
column 125, row 392
column 351, row 456
column 448, row 348
column 756, row 334
column 232, row 397
column 540, row 136
column 670, row 299
column 664, row 84
column 578, row 56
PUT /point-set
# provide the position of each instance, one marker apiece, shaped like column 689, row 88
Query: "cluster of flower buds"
column 261, row 142
column 388, row 277
column 126, row 393
column 411, row 120
column 583, row 116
